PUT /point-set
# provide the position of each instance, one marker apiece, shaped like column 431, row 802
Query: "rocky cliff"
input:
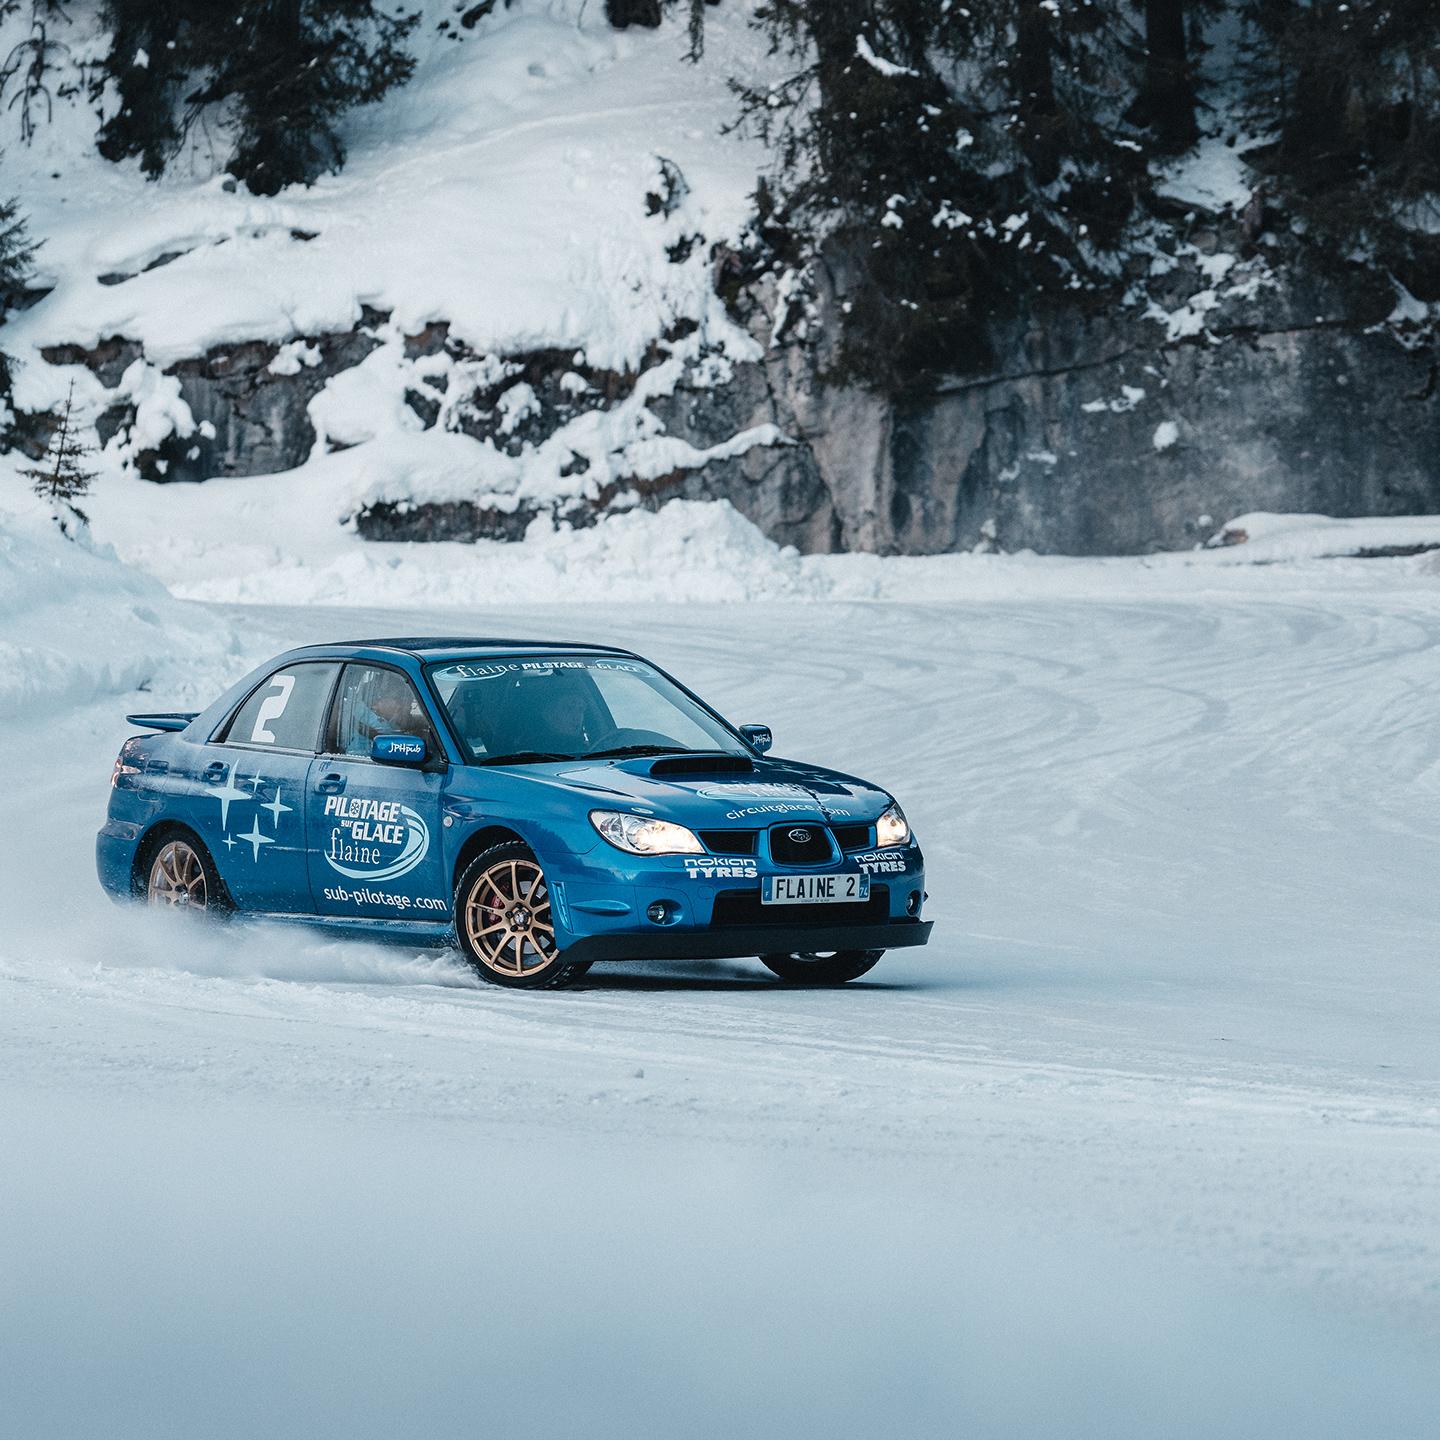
column 1224, row 382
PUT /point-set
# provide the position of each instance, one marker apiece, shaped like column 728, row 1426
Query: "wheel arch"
column 162, row 830
column 483, row 839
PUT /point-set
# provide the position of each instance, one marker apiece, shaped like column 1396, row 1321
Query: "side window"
column 375, row 701
column 286, row 711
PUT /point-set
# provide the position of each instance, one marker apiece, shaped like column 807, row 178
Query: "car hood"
column 691, row 794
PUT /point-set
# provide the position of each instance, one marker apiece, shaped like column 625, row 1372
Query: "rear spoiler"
column 167, row 720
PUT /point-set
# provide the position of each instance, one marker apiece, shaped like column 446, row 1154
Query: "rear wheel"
column 504, row 922
column 181, row 876
column 822, row 967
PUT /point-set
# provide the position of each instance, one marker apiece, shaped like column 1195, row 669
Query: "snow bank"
column 290, row 540
column 277, row 540
column 1266, row 537
column 78, row 624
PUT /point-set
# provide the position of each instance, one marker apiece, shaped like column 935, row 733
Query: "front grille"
column 728, row 842
column 743, row 907
column 800, row 844
column 852, row 837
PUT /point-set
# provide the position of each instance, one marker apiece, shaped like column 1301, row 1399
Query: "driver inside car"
column 385, row 705
column 559, row 715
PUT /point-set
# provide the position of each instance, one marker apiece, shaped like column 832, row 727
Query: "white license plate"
column 814, row 889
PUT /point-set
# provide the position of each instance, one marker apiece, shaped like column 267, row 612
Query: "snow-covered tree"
column 280, row 72
column 950, row 162
column 17, row 251
column 1351, row 93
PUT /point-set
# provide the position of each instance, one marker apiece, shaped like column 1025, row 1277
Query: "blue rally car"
column 543, row 806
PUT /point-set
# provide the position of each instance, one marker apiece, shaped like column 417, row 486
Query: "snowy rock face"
column 1121, row 433
column 1115, row 435
column 536, row 292
column 237, row 410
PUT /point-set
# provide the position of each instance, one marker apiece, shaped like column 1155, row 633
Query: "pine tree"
column 292, row 68
column 148, row 67
column 1352, row 94
column 62, row 475
column 17, row 251
column 283, row 71
column 951, row 163
column 1166, row 103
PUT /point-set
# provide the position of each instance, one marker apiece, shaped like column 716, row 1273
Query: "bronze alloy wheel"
column 504, row 923
column 177, row 878
column 507, row 918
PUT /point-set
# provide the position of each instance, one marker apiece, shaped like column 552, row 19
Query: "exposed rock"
column 119, row 277
column 1227, row 383
column 109, row 360
column 1103, row 434
column 449, row 520
column 259, row 417
column 250, row 419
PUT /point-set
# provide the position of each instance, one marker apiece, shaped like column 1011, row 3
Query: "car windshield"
column 529, row 710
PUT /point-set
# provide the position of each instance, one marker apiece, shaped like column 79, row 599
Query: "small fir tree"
column 62, row 476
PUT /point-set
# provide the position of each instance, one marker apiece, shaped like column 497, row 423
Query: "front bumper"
column 739, row 941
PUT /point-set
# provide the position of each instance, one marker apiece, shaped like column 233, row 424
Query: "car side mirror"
column 399, row 750
column 759, row 736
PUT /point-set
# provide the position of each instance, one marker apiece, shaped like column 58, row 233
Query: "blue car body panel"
column 343, row 840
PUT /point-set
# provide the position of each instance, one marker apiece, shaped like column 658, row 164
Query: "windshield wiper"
column 621, row 750
column 524, row 757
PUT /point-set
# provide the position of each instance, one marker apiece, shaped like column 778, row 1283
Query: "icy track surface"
column 1146, row 1144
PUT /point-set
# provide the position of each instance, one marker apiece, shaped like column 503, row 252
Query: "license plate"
column 844, row 889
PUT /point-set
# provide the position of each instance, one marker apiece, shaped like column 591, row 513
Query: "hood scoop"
column 718, row 764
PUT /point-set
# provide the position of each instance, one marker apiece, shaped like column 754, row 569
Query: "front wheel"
column 504, row 922
column 822, row 967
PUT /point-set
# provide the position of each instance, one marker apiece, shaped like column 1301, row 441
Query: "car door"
column 250, row 808
column 374, row 828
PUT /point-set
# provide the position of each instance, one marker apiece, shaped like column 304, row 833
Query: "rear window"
column 285, row 711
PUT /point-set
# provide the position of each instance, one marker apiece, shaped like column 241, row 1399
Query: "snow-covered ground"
column 1146, row 1143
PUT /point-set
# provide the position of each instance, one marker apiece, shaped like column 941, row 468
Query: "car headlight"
column 643, row 835
column 892, row 828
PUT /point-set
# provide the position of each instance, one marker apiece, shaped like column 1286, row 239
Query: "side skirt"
column 430, row 933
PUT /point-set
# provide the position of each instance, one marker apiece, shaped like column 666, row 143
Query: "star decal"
column 257, row 838
column 277, row 808
column 230, row 842
column 225, row 794
column 254, row 781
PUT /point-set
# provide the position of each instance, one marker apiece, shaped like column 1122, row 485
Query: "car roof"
column 447, row 647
